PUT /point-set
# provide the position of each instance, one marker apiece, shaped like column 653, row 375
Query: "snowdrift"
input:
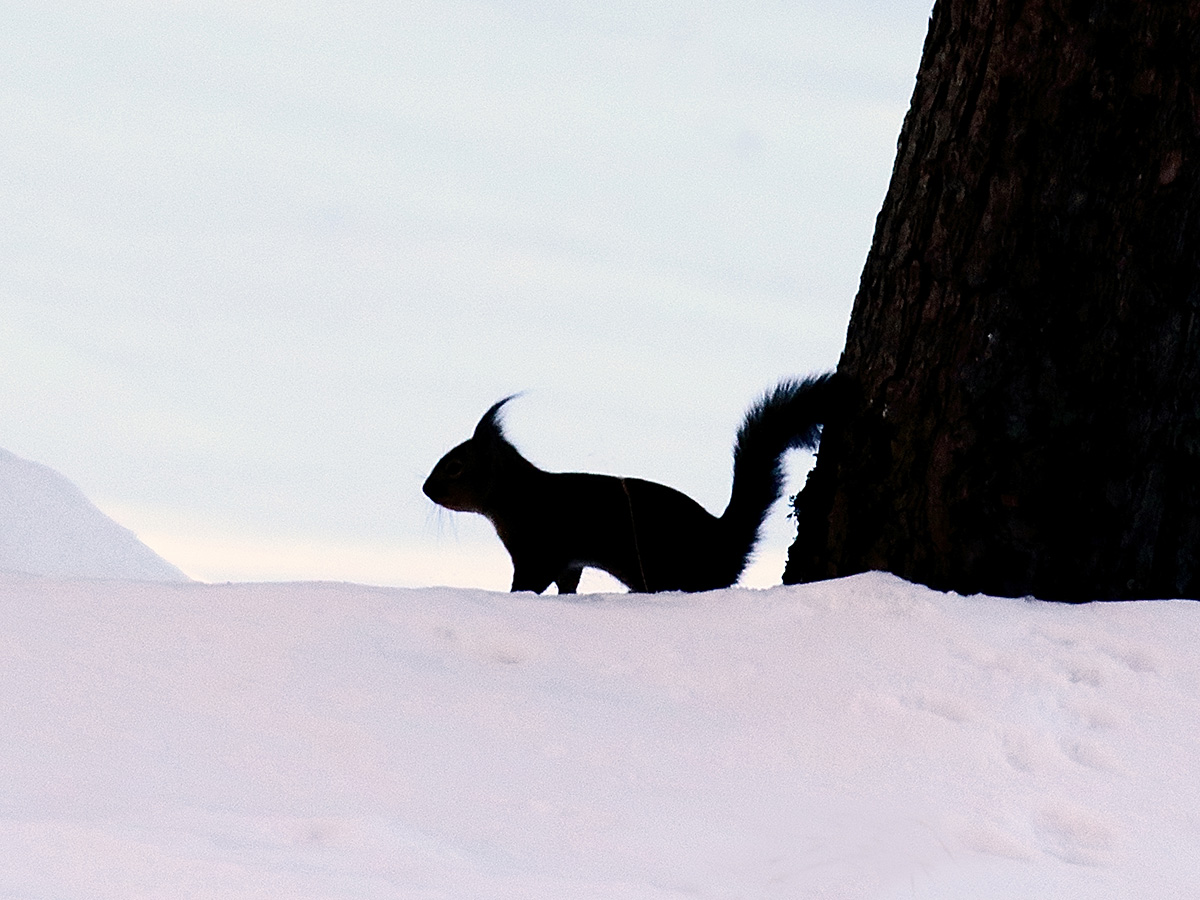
column 48, row 527
column 863, row 738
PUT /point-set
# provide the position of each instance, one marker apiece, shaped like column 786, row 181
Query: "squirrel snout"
column 430, row 490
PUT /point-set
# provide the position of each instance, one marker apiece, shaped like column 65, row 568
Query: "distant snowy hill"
column 48, row 527
column 861, row 739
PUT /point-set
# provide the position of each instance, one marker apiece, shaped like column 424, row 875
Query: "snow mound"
column 858, row 739
column 48, row 527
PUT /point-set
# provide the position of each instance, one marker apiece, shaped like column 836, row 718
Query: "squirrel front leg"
column 530, row 577
column 568, row 581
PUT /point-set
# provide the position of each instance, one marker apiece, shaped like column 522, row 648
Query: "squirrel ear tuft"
column 489, row 425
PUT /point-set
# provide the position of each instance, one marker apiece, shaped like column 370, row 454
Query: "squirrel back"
column 649, row 536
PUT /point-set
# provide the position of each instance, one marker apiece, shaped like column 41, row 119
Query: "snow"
column 860, row 738
column 48, row 527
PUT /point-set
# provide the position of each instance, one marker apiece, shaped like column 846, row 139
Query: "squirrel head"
column 466, row 477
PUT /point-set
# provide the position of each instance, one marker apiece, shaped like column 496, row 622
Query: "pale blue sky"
column 261, row 264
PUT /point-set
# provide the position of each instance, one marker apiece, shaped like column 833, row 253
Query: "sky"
column 262, row 264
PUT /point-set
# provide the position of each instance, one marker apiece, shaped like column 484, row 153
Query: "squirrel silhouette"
column 649, row 536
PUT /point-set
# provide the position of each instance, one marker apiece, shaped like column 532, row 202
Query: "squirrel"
column 647, row 535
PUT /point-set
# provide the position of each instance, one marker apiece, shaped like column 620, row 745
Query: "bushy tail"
column 789, row 416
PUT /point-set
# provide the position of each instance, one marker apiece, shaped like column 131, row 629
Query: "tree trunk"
column 1024, row 348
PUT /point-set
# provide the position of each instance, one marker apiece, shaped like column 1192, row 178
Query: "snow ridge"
column 48, row 527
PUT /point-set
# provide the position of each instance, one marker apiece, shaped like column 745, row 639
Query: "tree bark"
column 1024, row 349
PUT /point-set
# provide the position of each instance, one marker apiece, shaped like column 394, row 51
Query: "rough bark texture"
column 1024, row 344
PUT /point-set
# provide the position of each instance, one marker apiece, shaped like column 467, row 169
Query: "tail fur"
column 789, row 416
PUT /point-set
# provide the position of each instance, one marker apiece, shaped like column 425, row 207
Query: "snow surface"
column 48, row 527
column 861, row 738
